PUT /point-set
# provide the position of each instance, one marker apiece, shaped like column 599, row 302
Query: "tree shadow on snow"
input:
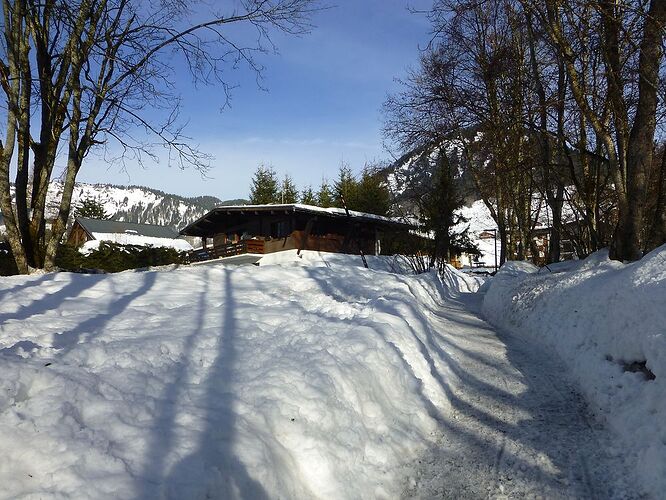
column 161, row 440
column 49, row 301
column 29, row 283
column 213, row 470
column 554, row 444
column 93, row 326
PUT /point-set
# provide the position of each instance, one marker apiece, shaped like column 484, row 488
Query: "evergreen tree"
column 308, row 196
column 346, row 187
column 438, row 207
column 264, row 189
column 324, row 195
column 90, row 208
column 288, row 191
column 372, row 194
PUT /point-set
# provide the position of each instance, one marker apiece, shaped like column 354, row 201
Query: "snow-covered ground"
column 281, row 381
column 606, row 320
column 304, row 377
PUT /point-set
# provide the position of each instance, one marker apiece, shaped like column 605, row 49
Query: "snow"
column 392, row 264
column 600, row 316
column 479, row 221
column 305, row 377
column 280, row 380
column 135, row 239
column 313, row 208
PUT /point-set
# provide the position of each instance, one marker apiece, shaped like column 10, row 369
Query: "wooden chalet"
column 261, row 229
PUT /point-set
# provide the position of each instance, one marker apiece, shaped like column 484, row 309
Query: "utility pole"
column 494, row 230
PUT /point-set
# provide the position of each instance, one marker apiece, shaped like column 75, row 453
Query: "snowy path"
column 301, row 380
column 517, row 427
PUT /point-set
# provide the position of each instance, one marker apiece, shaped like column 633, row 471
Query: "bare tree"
column 630, row 35
column 556, row 97
column 471, row 89
column 83, row 74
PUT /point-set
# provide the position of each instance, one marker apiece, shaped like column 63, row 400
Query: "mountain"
column 140, row 204
column 411, row 175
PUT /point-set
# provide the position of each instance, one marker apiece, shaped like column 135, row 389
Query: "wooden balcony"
column 228, row 250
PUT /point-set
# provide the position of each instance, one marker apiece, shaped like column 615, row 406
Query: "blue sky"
column 322, row 105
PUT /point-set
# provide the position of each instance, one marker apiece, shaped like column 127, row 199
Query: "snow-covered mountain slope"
column 411, row 174
column 139, row 204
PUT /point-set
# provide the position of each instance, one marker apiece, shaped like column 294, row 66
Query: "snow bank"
column 457, row 282
column 604, row 319
column 210, row 382
column 390, row 263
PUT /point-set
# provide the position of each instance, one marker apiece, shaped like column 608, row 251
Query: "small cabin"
column 260, row 229
column 125, row 233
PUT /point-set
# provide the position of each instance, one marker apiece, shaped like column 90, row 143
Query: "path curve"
column 518, row 426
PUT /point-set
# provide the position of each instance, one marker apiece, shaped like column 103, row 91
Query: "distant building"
column 260, row 229
column 87, row 230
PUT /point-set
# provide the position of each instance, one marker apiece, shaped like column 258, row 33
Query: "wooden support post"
column 306, row 235
column 351, row 227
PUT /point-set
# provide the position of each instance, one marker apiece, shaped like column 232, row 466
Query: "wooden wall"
column 77, row 236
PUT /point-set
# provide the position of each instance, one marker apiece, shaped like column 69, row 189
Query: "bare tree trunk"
column 657, row 235
column 118, row 65
column 23, row 136
column 555, row 241
column 641, row 138
column 629, row 152
column 11, row 81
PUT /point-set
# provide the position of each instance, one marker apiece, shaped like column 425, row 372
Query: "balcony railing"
column 227, row 250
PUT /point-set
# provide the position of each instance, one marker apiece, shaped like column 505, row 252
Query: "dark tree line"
column 366, row 193
column 548, row 105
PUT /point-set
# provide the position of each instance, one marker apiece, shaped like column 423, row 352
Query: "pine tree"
column 438, row 212
column 372, row 194
column 346, row 187
column 288, row 191
column 308, row 196
column 90, row 208
column 264, row 189
column 324, row 195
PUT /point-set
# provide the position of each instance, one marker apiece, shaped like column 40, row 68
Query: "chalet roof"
column 198, row 228
column 92, row 226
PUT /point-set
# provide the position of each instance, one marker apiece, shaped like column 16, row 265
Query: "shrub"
column 113, row 258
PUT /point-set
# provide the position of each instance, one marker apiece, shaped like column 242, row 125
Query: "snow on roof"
column 92, row 226
column 135, row 239
column 302, row 208
column 130, row 233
